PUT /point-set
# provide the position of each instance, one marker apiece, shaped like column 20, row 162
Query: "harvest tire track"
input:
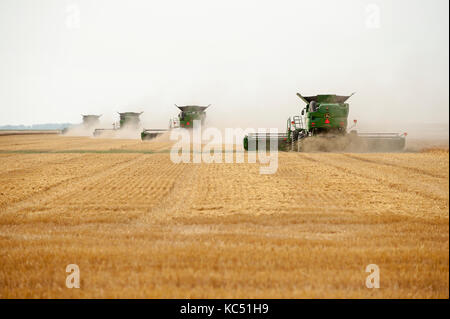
column 383, row 181
column 408, row 168
column 50, row 193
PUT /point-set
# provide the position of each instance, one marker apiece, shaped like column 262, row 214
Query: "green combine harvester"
column 323, row 126
column 185, row 119
column 129, row 120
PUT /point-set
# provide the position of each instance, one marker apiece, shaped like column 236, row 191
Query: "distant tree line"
column 47, row 126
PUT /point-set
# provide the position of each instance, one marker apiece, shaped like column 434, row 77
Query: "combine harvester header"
column 323, row 126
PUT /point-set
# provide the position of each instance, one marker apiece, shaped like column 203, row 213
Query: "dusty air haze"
column 138, row 221
column 60, row 59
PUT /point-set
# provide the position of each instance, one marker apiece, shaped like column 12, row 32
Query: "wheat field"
column 140, row 226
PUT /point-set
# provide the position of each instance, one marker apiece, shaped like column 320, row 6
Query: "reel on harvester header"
column 322, row 126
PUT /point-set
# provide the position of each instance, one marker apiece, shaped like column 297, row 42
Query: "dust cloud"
column 79, row 130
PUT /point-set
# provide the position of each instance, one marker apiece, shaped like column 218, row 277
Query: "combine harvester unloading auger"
column 322, row 126
column 185, row 119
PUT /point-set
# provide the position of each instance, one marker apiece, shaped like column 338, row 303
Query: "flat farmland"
column 140, row 226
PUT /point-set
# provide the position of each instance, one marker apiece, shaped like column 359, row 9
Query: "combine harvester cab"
column 323, row 126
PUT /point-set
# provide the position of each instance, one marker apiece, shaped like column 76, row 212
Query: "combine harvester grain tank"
column 90, row 120
column 323, row 126
column 188, row 114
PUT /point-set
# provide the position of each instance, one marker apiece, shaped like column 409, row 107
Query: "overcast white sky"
column 59, row 59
